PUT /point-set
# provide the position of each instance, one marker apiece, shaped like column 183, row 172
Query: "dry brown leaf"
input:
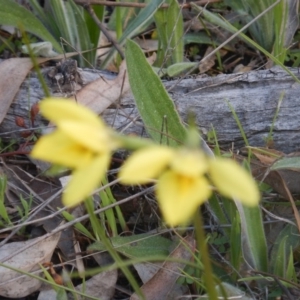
column 147, row 270
column 206, row 64
column 14, row 284
column 101, row 286
column 266, row 156
column 100, row 94
column 162, row 283
column 13, row 72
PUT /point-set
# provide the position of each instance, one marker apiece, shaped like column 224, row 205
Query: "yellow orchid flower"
column 81, row 142
column 183, row 179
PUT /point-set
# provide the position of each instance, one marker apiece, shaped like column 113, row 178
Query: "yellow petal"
column 57, row 148
column 189, row 163
column 233, row 181
column 89, row 136
column 180, row 196
column 85, row 180
column 145, row 164
column 60, row 109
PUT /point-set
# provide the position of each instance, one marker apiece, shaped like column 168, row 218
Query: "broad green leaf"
column 138, row 246
column 13, row 14
column 254, row 242
column 153, row 102
column 286, row 163
column 135, row 25
column 199, row 38
column 179, row 68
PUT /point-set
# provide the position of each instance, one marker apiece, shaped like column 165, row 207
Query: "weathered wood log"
column 254, row 96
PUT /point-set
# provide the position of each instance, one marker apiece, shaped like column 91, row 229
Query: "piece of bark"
column 254, row 96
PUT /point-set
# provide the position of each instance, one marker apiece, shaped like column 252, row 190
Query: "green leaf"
column 169, row 26
column 286, row 163
column 160, row 23
column 137, row 246
column 281, row 249
column 72, row 26
column 93, row 29
column 280, row 264
column 174, row 29
column 78, row 226
column 254, row 242
column 235, row 244
column 13, row 14
column 179, row 68
column 153, row 102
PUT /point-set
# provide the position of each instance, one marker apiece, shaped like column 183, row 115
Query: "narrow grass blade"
column 225, row 25
column 160, row 23
column 174, row 29
column 153, row 102
column 235, row 242
column 73, row 29
column 281, row 249
column 280, row 264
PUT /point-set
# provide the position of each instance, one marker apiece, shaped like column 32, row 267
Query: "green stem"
column 99, row 230
column 202, row 248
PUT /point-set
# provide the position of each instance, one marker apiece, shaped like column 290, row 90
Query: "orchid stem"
column 203, row 251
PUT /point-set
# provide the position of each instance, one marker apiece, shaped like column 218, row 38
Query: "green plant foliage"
column 280, row 264
column 154, row 104
column 235, row 245
column 169, row 25
column 65, row 19
column 92, row 28
column 3, row 211
column 145, row 15
column 13, row 14
column 214, row 19
column 138, row 246
column 273, row 30
column 254, row 242
column 281, row 251
column 180, row 68
column 292, row 162
column 263, row 29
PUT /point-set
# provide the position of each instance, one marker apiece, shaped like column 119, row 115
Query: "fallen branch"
column 254, row 97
